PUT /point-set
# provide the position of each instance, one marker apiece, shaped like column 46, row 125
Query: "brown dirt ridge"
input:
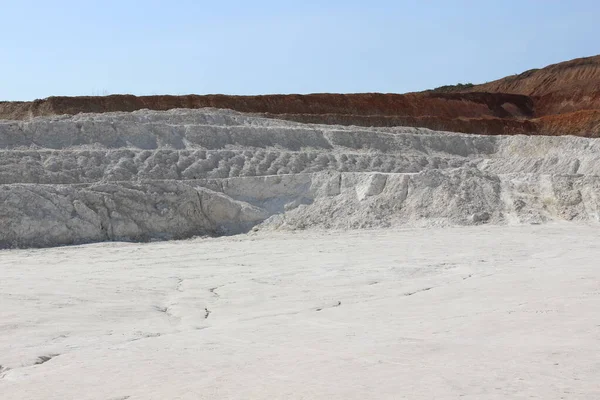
column 561, row 88
column 559, row 99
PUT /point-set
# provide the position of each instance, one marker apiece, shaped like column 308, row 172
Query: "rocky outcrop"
column 150, row 175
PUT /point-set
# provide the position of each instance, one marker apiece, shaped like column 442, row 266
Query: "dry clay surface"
column 475, row 313
column 175, row 174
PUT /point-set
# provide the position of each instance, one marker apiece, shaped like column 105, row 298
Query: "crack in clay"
column 418, row 291
column 147, row 336
column 162, row 309
column 44, row 359
column 339, row 303
column 213, row 291
column 201, row 207
column 3, row 371
column 179, row 285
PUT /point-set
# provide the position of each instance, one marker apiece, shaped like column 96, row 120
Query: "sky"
column 72, row 48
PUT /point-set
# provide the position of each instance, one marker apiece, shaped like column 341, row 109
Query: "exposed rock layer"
column 559, row 99
column 163, row 175
column 556, row 89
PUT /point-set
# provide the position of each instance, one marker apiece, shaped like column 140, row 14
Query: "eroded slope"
column 163, row 175
column 559, row 99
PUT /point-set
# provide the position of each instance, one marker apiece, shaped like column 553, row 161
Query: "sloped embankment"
column 556, row 89
column 566, row 96
column 164, row 175
column 559, row 99
column 485, row 113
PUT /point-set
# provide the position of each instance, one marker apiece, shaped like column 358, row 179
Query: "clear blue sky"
column 90, row 47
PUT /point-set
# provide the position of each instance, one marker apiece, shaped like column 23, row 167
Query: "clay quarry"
column 305, row 246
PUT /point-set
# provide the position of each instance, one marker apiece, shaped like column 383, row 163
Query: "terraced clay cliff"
column 556, row 100
column 175, row 174
column 560, row 88
column 565, row 96
column 468, row 112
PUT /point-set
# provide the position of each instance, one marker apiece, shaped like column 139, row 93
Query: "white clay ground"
column 484, row 312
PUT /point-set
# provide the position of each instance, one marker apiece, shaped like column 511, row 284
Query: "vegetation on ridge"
column 452, row 88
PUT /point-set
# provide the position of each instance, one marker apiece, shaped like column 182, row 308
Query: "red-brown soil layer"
column 452, row 105
column 566, row 96
column 559, row 99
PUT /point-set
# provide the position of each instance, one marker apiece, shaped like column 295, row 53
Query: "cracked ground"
column 473, row 312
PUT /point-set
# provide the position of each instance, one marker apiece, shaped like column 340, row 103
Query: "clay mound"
column 534, row 102
column 560, row 88
column 566, row 102
column 568, row 76
column 581, row 123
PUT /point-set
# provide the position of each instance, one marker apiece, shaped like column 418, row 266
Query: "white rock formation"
column 161, row 175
